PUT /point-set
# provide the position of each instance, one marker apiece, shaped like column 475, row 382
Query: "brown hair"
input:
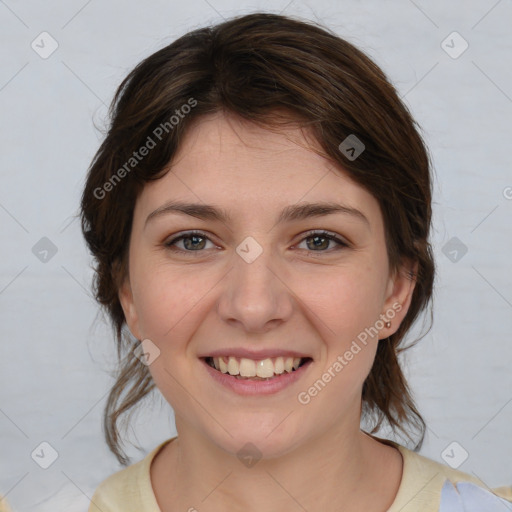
column 256, row 66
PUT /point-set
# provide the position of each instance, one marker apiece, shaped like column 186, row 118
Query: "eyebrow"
column 290, row 213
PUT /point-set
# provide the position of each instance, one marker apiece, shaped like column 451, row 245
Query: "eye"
column 194, row 241
column 322, row 239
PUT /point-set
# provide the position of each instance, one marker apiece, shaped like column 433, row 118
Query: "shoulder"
column 4, row 507
column 423, row 480
column 129, row 489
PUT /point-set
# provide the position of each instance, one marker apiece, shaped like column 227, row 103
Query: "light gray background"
column 56, row 350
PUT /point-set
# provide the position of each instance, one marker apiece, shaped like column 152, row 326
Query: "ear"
column 125, row 295
column 398, row 297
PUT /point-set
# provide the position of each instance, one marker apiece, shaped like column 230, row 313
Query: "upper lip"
column 257, row 355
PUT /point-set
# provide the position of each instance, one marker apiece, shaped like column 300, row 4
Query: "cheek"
column 165, row 297
column 168, row 304
column 345, row 299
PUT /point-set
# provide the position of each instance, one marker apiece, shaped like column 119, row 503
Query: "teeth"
column 233, row 367
column 247, row 368
column 279, row 366
column 220, row 364
column 265, row 368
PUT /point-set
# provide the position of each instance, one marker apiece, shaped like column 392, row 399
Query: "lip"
column 256, row 355
column 255, row 387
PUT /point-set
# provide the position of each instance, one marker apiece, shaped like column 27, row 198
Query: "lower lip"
column 257, row 387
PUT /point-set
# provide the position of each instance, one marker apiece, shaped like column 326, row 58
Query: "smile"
column 263, row 369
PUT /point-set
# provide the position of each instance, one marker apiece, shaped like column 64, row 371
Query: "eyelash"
column 309, row 234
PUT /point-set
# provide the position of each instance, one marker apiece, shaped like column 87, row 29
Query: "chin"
column 258, row 439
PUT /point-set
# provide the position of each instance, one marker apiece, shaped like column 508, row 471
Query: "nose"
column 256, row 294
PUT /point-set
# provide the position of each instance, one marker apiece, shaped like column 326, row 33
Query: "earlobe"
column 125, row 296
column 399, row 296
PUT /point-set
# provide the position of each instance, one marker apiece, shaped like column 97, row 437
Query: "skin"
column 293, row 296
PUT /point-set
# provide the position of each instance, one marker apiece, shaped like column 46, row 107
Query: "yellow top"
column 4, row 507
column 130, row 488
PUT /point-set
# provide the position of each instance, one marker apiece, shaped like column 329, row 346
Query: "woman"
column 259, row 213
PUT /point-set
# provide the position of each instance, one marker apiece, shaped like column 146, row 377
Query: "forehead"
column 223, row 141
column 247, row 168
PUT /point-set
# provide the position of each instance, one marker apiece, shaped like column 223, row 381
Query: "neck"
column 342, row 470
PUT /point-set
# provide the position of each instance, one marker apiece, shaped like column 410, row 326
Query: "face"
column 288, row 308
